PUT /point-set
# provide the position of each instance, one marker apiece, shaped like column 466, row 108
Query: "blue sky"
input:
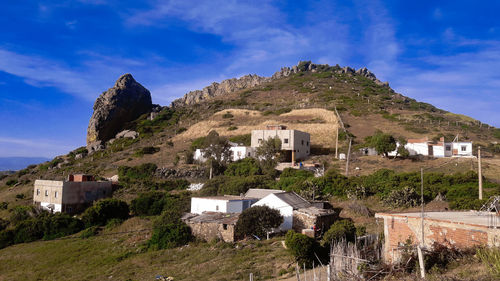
column 56, row 57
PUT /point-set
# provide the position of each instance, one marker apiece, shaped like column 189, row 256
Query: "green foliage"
column 333, row 183
column 227, row 115
column 20, row 196
column 342, row 229
column 89, row 232
column 232, row 128
column 104, row 210
column 11, row 182
column 216, row 149
column 490, row 257
column 242, row 139
column 258, row 220
column 146, row 150
column 154, row 203
column 467, row 204
column 166, row 118
column 169, row 185
column 406, row 197
column 180, row 130
column 21, row 213
column 6, row 238
column 244, row 168
column 277, row 111
column 3, row 224
column 4, row 205
column 169, row 232
column 197, row 143
column 141, row 174
column 234, row 185
column 300, row 246
column 383, row 143
column 293, row 179
column 496, row 133
column 270, row 153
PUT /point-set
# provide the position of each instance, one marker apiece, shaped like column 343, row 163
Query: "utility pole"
column 337, row 144
column 348, row 157
column 419, row 248
column 479, row 173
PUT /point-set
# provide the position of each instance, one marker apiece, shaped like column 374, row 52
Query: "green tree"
column 340, row 229
column 269, row 152
column 383, row 143
column 216, row 150
column 258, row 220
column 300, row 246
column 244, row 168
column 169, row 232
column 105, row 210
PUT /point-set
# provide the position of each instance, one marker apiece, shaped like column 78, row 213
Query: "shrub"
column 232, row 128
column 383, row 143
column 169, row 232
column 138, row 175
column 6, row 238
column 154, row 203
column 169, row 185
column 20, row 196
column 89, row 232
column 342, row 229
column 3, row 224
column 4, row 205
column 242, row 139
column 105, row 210
column 11, row 182
column 47, row 226
column 21, row 213
column 300, row 246
column 180, row 130
column 227, row 115
column 244, row 168
column 406, row 197
column 490, row 257
column 146, row 150
column 467, row 204
column 258, row 220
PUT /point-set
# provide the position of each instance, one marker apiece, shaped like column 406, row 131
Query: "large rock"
column 125, row 102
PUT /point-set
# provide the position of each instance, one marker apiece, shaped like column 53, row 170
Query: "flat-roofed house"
column 70, row 196
column 221, row 204
column 296, row 144
column 260, row 193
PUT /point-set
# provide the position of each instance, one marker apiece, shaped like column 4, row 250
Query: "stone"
column 113, row 109
column 127, row 134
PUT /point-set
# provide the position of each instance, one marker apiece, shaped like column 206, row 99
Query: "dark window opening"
column 224, row 226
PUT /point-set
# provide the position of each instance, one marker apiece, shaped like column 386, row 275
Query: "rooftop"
column 212, row 217
column 226, row 197
column 294, row 200
column 260, row 193
column 470, row 217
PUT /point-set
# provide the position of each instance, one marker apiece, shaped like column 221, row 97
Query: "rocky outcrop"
column 167, row 173
column 225, row 87
column 124, row 102
column 248, row 81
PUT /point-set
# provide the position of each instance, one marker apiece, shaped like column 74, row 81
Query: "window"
column 55, row 194
column 448, row 148
column 217, row 207
column 464, row 148
column 259, row 141
column 37, row 191
column 285, row 140
column 248, row 154
column 46, row 193
column 302, row 142
column 307, row 143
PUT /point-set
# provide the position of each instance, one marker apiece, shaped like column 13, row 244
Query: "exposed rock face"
column 216, row 89
column 125, row 102
column 248, row 81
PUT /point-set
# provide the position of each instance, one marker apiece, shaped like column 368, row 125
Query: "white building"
column 238, row 152
column 221, row 204
column 295, row 143
column 286, row 203
column 260, row 193
column 437, row 149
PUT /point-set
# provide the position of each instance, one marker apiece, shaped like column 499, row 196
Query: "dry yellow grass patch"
column 318, row 122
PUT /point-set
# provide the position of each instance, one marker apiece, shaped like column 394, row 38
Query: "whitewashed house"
column 260, row 193
column 436, row 149
column 286, row 203
column 221, row 204
column 238, row 152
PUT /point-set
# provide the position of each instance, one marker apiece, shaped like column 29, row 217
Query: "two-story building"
column 296, row 144
column 70, row 196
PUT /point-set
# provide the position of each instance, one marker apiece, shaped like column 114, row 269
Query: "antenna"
column 456, row 138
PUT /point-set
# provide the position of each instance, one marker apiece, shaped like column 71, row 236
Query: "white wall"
column 237, row 153
column 458, row 146
column 285, row 210
column 200, row 205
column 57, row 207
column 438, row 150
column 420, row 148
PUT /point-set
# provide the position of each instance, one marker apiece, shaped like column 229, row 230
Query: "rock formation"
column 124, row 102
column 252, row 80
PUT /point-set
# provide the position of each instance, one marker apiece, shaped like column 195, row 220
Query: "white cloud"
column 10, row 147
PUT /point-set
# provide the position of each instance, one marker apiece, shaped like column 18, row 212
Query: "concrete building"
column 457, row 229
column 260, row 193
column 296, row 144
column 238, row 152
column 221, row 204
column 70, row 196
column 212, row 225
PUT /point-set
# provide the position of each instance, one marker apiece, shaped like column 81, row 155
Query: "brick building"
column 453, row 229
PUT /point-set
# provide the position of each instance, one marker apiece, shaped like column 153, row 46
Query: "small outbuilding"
column 212, row 225
column 221, row 204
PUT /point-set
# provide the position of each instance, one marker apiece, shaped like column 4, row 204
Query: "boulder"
column 113, row 109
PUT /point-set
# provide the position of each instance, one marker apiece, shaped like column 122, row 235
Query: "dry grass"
column 320, row 123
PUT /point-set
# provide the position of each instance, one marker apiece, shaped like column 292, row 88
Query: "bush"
column 3, row 224
column 146, row 150
column 258, row 220
column 21, row 213
column 105, row 210
column 467, row 204
column 20, row 196
column 232, row 128
column 11, row 182
column 89, row 232
column 406, row 197
column 242, row 139
column 244, row 168
column 300, row 246
column 227, row 115
column 169, row 185
column 6, row 238
column 342, row 229
column 139, row 175
column 169, row 232
column 154, row 203
column 47, row 226
column 490, row 257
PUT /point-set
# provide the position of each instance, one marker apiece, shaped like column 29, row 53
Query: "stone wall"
column 303, row 220
column 211, row 230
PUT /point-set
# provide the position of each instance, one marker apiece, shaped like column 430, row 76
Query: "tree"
column 269, row 152
column 300, row 246
column 217, row 151
column 383, row 143
column 244, row 168
column 340, row 229
column 105, row 210
column 402, row 151
column 258, row 220
column 169, row 232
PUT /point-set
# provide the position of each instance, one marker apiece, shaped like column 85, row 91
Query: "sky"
column 56, row 57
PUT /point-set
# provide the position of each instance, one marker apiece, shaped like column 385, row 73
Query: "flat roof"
column 226, row 197
column 470, row 217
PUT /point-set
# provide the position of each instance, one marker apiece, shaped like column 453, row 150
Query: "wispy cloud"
column 10, row 146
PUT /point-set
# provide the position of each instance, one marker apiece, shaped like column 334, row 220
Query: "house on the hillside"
column 437, row 149
column 237, row 151
column 296, row 144
column 297, row 212
column 70, row 196
column 212, row 225
column 221, row 204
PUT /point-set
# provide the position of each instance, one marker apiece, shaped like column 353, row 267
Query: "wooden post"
column 421, row 262
column 305, row 275
column 293, row 157
column 337, row 144
column 348, row 156
column 422, row 203
column 479, row 173
column 251, row 276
